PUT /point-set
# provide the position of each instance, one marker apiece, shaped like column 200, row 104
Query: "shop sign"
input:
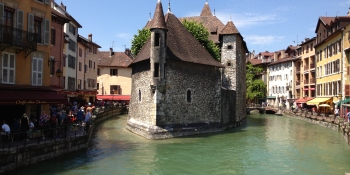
column 30, row 102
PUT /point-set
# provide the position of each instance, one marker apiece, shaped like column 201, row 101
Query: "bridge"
column 262, row 109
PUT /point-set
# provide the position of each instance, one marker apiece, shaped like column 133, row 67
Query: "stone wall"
column 228, row 111
column 165, row 113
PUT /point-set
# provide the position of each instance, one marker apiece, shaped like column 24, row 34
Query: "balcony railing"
column 18, row 39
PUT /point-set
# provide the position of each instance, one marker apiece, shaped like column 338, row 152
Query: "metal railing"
column 44, row 135
column 17, row 37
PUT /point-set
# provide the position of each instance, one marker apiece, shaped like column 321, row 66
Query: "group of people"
column 58, row 116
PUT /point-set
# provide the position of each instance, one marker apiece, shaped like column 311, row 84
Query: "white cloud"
column 124, row 35
column 249, row 19
column 262, row 40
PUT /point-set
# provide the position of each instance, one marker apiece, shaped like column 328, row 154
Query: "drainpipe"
column 341, row 71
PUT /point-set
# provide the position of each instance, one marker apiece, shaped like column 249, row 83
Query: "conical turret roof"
column 158, row 21
column 229, row 29
column 206, row 10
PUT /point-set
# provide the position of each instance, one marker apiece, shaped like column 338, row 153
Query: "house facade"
column 25, row 54
column 114, row 75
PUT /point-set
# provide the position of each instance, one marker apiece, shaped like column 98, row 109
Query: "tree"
column 196, row 29
column 255, row 86
column 202, row 35
column 139, row 40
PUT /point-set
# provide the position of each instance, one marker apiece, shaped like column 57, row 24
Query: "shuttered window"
column 8, row 68
column 37, row 71
column 20, row 16
column 47, row 32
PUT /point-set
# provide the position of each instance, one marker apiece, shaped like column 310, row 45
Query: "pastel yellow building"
column 114, row 75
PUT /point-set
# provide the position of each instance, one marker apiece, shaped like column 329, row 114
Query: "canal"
column 268, row 144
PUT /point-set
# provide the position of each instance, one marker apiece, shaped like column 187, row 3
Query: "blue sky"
column 265, row 25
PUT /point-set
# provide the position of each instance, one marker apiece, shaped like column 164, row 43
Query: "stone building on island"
column 177, row 86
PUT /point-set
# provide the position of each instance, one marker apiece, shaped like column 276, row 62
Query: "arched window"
column 189, row 97
column 140, row 96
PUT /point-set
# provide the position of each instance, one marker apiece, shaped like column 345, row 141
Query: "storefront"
column 15, row 102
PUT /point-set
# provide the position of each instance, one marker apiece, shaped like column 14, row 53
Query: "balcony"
column 17, row 39
column 267, row 60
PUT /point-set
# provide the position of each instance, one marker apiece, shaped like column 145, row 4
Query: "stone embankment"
column 332, row 122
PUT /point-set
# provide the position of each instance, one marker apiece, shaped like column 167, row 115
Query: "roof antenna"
column 206, row 2
column 214, row 12
column 150, row 18
column 112, row 44
column 169, row 10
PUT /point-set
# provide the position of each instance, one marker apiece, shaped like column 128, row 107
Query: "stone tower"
column 233, row 49
column 157, row 59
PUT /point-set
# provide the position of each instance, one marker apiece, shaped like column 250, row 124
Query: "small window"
column 140, row 96
column 98, row 72
column 53, row 36
column 156, row 39
column 229, row 64
column 156, row 69
column 113, row 72
column 229, row 47
column 189, row 98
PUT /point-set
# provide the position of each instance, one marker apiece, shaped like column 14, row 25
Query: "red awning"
column 303, row 100
column 113, row 97
column 24, row 97
column 306, row 89
column 312, row 89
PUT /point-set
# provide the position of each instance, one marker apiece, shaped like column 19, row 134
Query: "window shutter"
column 34, row 72
column 1, row 13
column 47, row 1
column 40, row 72
column 20, row 19
column 30, row 23
column 47, row 32
column 347, row 90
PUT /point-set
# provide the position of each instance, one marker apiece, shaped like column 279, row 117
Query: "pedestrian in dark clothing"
column 24, row 127
column 80, row 115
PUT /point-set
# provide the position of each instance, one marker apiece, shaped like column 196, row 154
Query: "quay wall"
column 24, row 155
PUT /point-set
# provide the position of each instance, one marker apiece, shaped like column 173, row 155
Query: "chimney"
column 90, row 37
column 111, row 53
column 275, row 56
column 64, row 7
column 127, row 52
column 283, row 53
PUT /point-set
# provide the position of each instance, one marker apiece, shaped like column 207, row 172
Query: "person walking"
column 87, row 120
column 80, row 115
column 24, row 127
column 336, row 112
column 5, row 132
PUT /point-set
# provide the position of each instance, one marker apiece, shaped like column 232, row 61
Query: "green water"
column 268, row 144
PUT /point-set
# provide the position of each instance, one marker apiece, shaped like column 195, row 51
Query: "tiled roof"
column 158, row 21
column 118, row 59
column 211, row 22
column 255, row 61
column 283, row 60
column 206, row 10
column 326, row 20
column 181, row 45
column 229, row 29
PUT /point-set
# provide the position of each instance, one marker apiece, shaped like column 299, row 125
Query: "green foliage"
column 202, row 35
column 139, row 40
column 255, row 86
column 196, row 29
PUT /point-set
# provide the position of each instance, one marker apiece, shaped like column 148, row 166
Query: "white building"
column 281, row 78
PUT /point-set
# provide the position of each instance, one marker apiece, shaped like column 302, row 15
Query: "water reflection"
column 268, row 144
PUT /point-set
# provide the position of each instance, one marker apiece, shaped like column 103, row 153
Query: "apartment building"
column 114, row 75
column 305, row 74
column 70, row 53
column 281, row 78
column 87, row 68
column 330, row 72
column 25, row 53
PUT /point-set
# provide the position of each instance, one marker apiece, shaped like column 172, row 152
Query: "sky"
column 266, row 25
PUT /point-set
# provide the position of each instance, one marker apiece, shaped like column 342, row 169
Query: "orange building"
column 25, row 28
